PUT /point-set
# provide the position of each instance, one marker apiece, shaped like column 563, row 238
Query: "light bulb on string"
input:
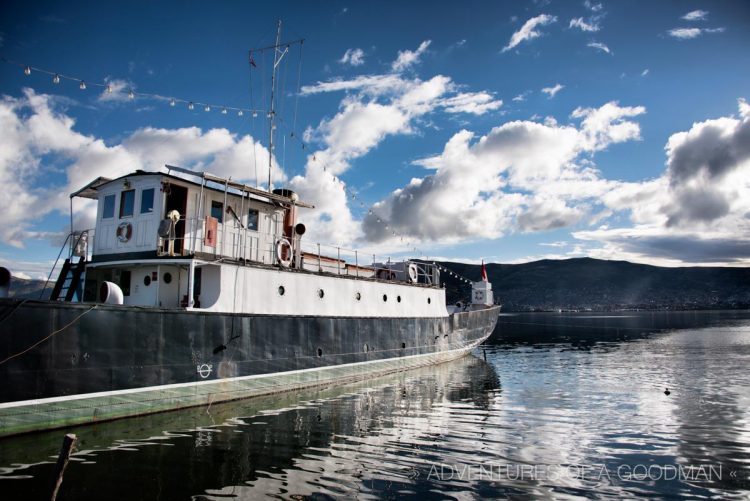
column 27, row 71
column 131, row 94
column 108, row 89
column 56, row 79
column 82, row 85
column 255, row 114
column 207, row 108
column 172, row 102
column 224, row 111
column 239, row 113
column 191, row 105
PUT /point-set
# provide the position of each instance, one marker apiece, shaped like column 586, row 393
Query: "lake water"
column 555, row 406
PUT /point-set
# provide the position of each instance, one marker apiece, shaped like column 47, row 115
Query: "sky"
column 498, row 131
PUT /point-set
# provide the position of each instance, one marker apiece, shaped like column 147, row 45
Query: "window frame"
column 257, row 219
column 218, row 204
column 153, row 199
column 113, row 197
column 122, row 204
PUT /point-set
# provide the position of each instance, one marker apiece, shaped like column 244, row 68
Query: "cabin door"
column 177, row 200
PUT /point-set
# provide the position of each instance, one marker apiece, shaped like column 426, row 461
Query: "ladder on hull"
column 67, row 283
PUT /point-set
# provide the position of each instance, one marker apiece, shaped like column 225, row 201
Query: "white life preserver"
column 413, row 274
column 280, row 244
column 124, row 232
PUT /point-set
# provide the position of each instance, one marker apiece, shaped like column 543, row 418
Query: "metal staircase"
column 67, row 287
column 67, row 283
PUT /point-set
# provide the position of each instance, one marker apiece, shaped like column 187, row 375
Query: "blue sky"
column 435, row 114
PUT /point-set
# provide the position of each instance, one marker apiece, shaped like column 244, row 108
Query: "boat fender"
column 110, row 293
column 124, row 232
column 413, row 273
column 280, row 244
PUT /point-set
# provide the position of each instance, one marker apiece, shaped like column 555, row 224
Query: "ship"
column 193, row 289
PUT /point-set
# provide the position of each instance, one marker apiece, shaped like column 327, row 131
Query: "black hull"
column 122, row 361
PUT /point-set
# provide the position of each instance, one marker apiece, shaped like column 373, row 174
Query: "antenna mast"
column 278, row 55
column 280, row 49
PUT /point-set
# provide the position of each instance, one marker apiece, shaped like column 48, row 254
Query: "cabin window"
column 108, row 211
column 252, row 220
column 147, row 201
column 127, row 203
column 217, row 210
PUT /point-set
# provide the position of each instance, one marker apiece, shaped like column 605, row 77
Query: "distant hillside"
column 23, row 288
column 584, row 283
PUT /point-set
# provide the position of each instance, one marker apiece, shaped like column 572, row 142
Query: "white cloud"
column 38, row 139
column 593, row 7
column 528, row 30
column 689, row 33
column 521, row 97
column 607, row 124
column 373, row 85
column 583, row 25
column 599, row 46
column 695, row 15
column 522, row 175
column 355, row 57
column 685, row 33
column 475, row 103
column 644, row 72
column 552, row 91
column 408, row 58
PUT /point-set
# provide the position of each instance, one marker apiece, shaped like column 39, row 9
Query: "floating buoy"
column 667, row 392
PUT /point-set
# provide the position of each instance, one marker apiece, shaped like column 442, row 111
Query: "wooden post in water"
column 62, row 462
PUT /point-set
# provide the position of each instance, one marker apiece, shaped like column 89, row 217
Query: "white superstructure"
column 168, row 241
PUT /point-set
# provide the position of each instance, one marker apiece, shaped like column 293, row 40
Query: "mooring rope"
column 48, row 336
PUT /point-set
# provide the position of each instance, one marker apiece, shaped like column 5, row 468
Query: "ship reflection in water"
column 555, row 406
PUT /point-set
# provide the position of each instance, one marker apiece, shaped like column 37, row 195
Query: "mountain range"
column 598, row 285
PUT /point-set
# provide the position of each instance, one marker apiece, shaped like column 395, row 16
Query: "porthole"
column 429, row 300
column 398, row 299
column 320, row 352
column 385, row 297
column 282, row 290
column 403, row 346
column 167, row 278
column 321, row 293
column 358, row 296
column 365, row 348
column 147, row 280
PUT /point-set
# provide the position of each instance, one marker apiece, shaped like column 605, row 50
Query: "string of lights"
column 83, row 84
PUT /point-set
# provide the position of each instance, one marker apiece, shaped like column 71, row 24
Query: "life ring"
column 413, row 275
column 124, row 232
column 280, row 244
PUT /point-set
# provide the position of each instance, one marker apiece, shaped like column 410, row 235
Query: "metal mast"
column 280, row 49
column 277, row 56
